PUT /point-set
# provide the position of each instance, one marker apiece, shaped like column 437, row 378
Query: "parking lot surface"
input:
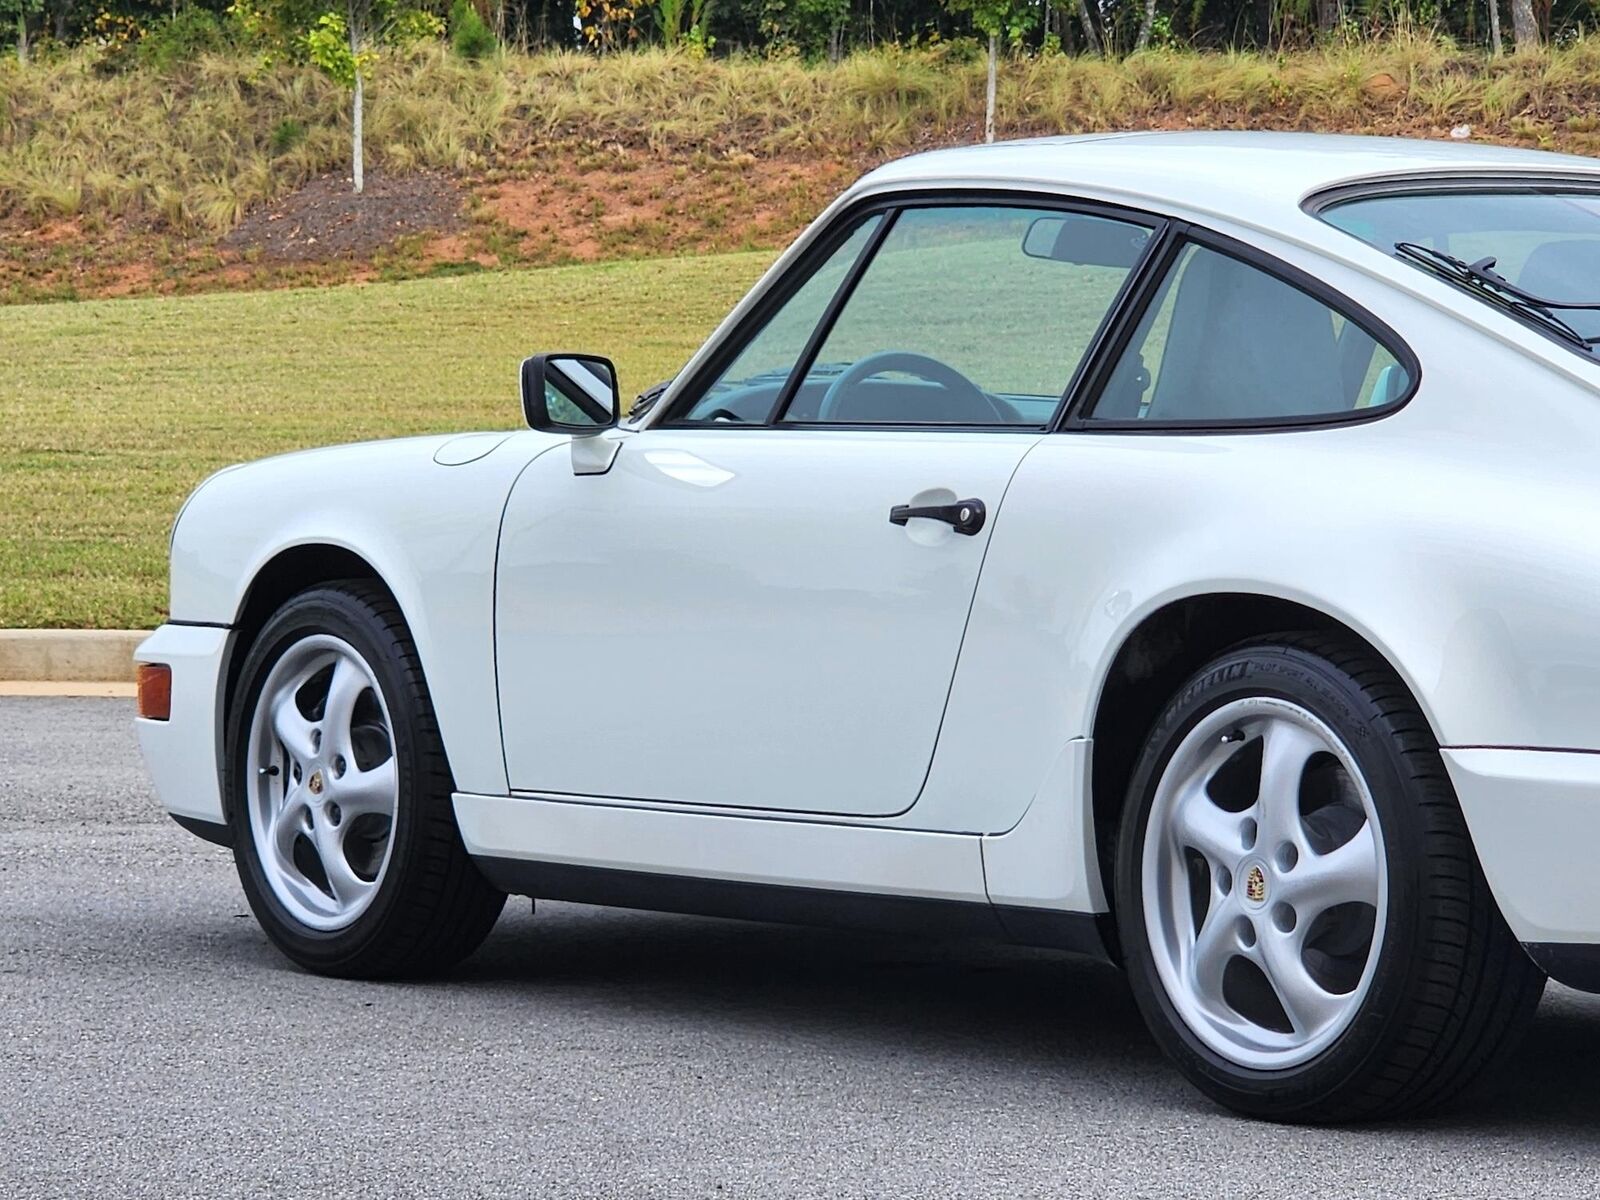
column 153, row 1044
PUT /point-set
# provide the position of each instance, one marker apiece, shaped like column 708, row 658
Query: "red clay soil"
column 609, row 202
column 327, row 219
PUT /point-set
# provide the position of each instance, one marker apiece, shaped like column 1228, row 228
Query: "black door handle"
column 964, row 516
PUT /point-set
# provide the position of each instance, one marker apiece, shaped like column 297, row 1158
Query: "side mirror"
column 570, row 393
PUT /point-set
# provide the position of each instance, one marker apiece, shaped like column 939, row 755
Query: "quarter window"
column 1224, row 341
column 1545, row 241
column 751, row 384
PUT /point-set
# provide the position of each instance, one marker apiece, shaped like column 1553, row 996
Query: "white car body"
column 697, row 669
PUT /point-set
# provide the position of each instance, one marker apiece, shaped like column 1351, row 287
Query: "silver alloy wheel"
column 323, row 785
column 1264, row 883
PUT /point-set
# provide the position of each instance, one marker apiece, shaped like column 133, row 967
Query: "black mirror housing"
column 574, row 394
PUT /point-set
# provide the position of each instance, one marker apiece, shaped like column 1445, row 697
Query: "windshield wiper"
column 1482, row 278
column 646, row 400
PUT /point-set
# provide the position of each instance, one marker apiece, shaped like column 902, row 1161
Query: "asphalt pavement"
column 153, row 1044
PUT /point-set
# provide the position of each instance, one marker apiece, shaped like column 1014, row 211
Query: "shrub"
column 469, row 36
column 287, row 134
column 181, row 38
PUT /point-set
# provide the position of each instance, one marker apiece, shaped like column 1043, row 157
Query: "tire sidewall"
column 336, row 613
column 1301, row 678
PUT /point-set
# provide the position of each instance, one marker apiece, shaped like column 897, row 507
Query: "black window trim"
column 830, row 315
column 1180, row 234
column 1447, row 183
column 839, row 232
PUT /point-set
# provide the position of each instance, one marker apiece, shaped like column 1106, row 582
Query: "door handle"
column 964, row 516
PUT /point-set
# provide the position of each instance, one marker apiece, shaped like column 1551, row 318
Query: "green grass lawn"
column 113, row 410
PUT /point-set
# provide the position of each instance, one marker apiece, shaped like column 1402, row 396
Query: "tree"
column 1147, row 22
column 20, row 10
column 1524, row 25
column 1010, row 19
column 1090, row 34
column 344, row 44
column 1495, row 45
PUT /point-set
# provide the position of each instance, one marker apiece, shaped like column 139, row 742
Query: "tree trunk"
column 1329, row 15
column 988, row 110
column 1524, row 25
column 1496, row 47
column 1146, row 23
column 22, row 37
column 357, row 158
column 1089, row 33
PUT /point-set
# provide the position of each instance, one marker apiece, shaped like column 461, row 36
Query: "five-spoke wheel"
column 340, row 797
column 1305, row 927
column 1266, row 887
column 325, row 788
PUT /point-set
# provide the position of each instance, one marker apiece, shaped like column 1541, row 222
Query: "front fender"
column 428, row 530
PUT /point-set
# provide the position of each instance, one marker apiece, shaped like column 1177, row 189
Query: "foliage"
column 16, row 14
column 1007, row 21
column 470, row 37
column 328, row 45
column 118, row 36
column 286, row 135
column 684, row 23
column 809, row 27
column 277, row 29
column 181, row 38
column 608, row 24
column 813, row 29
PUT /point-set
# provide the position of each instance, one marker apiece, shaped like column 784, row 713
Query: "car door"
column 762, row 603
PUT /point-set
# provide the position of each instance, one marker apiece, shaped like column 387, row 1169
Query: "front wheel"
column 1306, row 927
column 340, row 797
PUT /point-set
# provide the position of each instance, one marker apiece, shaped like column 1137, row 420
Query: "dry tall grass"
column 193, row 150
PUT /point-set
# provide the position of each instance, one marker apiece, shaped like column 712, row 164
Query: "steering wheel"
column 910, row 363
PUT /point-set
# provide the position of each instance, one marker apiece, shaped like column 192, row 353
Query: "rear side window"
column 1226, row 342
column 1533, row 250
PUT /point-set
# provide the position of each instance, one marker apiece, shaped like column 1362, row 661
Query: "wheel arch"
column 1162, row 650
column 287, row 573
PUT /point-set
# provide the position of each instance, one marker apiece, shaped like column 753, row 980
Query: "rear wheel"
column 1306, row 926
column 340, row 797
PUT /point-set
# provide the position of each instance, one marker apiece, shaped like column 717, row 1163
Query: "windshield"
column 1545, row 242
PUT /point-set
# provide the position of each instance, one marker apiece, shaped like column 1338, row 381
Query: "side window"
column 1225, row 341
column 749, row 386
column 969, row 315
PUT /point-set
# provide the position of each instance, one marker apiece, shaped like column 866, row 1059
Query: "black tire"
column 432, row 907
column 1452, row 990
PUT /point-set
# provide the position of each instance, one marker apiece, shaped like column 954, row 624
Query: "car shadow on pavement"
column 971, row 998
column 953, row 1003
column 962, row 998
column 1549, row 1087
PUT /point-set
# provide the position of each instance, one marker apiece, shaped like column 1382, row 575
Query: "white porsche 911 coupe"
column 1180, row 549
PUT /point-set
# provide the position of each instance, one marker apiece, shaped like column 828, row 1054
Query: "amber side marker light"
column 155, row 691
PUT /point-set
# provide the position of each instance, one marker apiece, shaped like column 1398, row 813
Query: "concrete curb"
column 68, row 655
column 93, row 691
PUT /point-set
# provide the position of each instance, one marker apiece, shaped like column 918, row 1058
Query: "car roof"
column 1242, row 174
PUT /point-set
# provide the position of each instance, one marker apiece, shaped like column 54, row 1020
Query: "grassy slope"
column 192, row 150
column 114, row 410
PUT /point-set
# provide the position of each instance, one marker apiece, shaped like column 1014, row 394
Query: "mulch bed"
column 326, row 219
